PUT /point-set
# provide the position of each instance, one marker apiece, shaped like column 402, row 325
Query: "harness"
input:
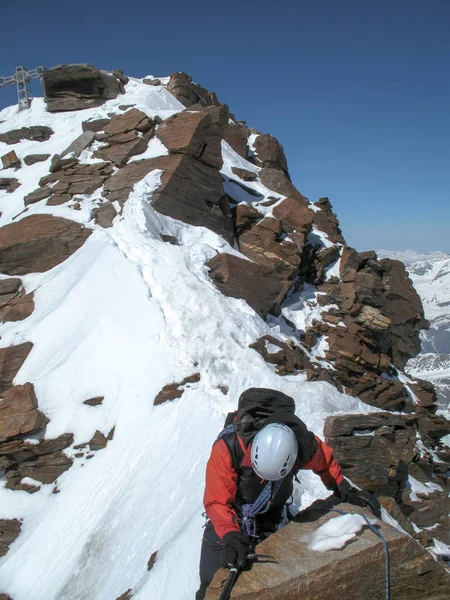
column 247, row 513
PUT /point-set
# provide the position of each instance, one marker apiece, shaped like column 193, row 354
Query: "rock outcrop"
column 38, row 243
column 353, row 572
column 9, row 530
column 189, row 93
column 78, row 86
column 11, row 360
column 36, row 133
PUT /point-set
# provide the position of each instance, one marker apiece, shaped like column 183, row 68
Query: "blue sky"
column 358, row 92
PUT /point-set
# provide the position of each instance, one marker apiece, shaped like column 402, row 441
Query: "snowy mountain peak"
column 156, row 261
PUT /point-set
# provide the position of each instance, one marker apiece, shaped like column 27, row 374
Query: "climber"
column 250, row 475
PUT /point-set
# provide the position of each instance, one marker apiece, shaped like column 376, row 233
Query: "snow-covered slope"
column 430, row 274
column 122, row 317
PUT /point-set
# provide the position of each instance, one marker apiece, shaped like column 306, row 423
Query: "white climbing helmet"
column 274, row 451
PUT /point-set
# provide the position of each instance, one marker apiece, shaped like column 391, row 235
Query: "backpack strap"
column 229, row 436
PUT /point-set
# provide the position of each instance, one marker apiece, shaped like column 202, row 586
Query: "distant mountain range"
column 430, row 274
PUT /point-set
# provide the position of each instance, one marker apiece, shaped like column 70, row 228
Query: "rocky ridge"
column 334, row 314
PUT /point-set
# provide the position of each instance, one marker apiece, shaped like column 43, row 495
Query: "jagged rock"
column 132, row 121
column 152, row 560
column 372, row 318
column 278, row 181
column 120, row 153
column 94, row 401
column 9, row 184
column 245, row 215
column 173, row 391
column 404, row 307
column 434, row 427
column 286, row 358
column 9, row 531
column 31, row 159
column 373, row 450
column 270, row 152
column 118, row 74
column 37, row 195
column 245, row 174
column 240, row 278
column 395, row 511
column 10, row 161
column 196, row 134
column 119, row 186
column 326, row 221
column 95, row 125
column 17, row 308
column 77, row 179
column 37, row 133
column 19, row 412
column 386, row 394
column 18, row 451
column 38, row 243
column 189, row 93
column 152, row 81
column 98, row 441
column 263, row 244
column 82, row 142
column 296, row 219
column 45, row 469
column 58, row 164
column 11, row 360
column 353, row 572
column 126, row 595
column 236, row 136
column 192, row 192
column 425, row 393
column 78, row 86
column 323, row 259
column 104, row 215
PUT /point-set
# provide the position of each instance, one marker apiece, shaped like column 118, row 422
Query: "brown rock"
column 236, row 136
column 434, row 427
column 119, row 186
column 239, row 278
column 270, row 152
column 78, row 86
column 37, row 195
column 373, row 450
column 19, row 412
column 245, row 174
column 19, row 451
column 82, row 142
column 132, row 121
column 279, row 182
column 94, row 401
column 11, row 360
column 192, row 192
column 9, row 184
column 152, row 560
column 37, row 133
column 168, row 393
column 287, row 359
column 9, row 531
column 387, row 395
column 126, row 595
column 31, row 159
column 47, row 468
column 98, row 441
column 152, row 81
column 95, row 125
column 10, row 161
column 296, row 218
column 120, row 153
column 18, row 308
column 189, row 93
column 262, row 243
column 326, row 221
column 245, row 215
column 395, row 511
column 104, row 215
column 353, row 572
column 196, row 134
column 38, row 243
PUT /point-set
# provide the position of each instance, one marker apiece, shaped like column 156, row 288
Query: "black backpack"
column 256, row 407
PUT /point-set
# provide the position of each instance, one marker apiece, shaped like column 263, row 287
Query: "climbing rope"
column 386, row 549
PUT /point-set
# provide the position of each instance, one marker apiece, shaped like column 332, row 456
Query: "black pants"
column 211, row 556
column 211, row 559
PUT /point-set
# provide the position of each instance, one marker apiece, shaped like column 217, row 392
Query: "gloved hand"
column 352, row 495
column 235, row 549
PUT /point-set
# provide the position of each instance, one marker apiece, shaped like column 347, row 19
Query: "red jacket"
column 222, row 481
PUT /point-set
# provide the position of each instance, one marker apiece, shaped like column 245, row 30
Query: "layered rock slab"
column 38, row 243
column 353, row 572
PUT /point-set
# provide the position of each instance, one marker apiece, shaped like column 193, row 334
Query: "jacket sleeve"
column 220, row 490
column 324, row 464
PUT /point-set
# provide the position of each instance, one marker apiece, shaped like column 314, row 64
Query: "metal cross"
column 23, row 79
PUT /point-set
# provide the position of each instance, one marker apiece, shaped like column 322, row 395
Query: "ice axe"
column 234, row 573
